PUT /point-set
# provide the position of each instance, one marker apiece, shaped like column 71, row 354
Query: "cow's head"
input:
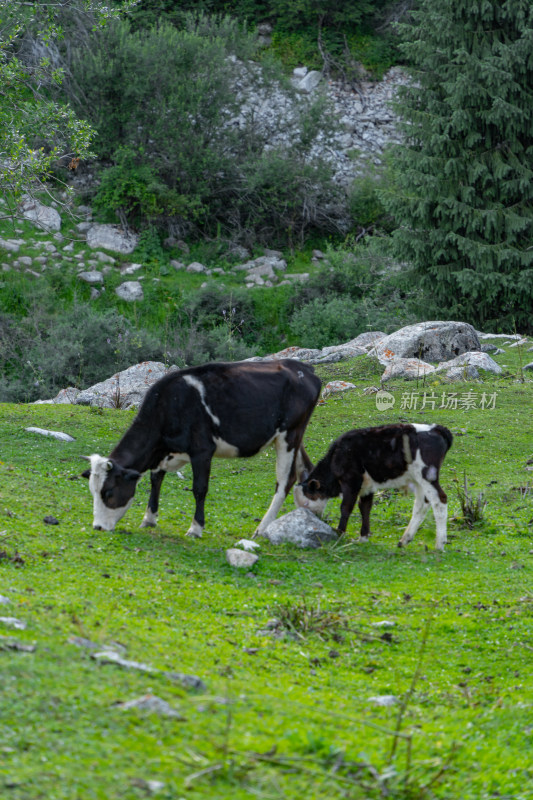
column 112, row 488
column 314, row 502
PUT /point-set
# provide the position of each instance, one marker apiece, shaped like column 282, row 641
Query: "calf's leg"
column 349, row 496
column 365, row 507
column 420, row 509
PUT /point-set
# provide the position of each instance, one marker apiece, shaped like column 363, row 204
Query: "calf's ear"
column 313, row 485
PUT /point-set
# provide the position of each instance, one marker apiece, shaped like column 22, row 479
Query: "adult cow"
column 190, row 416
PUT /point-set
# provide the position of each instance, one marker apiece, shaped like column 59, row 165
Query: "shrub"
column 326, row 322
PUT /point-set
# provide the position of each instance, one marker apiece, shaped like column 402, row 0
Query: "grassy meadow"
column 291, row 654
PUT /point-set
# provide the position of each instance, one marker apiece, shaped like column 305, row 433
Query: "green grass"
column 286, row 712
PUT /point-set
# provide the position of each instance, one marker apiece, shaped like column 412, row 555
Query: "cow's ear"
column 86, row 474
column 132, row 475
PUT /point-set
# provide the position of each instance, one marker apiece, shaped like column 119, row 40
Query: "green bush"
column 161, row 100
column 44, row 351
column 324, row 322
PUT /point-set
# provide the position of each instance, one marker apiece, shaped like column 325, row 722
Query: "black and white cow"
column 360, row 462
column 194, row 414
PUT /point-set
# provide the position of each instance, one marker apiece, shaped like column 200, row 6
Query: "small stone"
column 51, row 520
column 59, row 435
column 384, row 700
column 153, row 704
column 196, row 267
column 240, row 558
column 13, row 622
column 247, row 544
column 130, row 291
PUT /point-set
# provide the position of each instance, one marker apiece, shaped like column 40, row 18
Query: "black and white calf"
column 194, row 414
column 362, row 461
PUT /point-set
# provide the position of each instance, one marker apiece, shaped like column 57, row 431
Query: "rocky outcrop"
column 111, row 237
column 124, row 389
column 427, row 341
column 45, row 217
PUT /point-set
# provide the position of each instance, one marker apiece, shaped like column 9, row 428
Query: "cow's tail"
column 446, row 434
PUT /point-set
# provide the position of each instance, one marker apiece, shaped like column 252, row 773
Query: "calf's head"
column 112, row 488
column 307, row 495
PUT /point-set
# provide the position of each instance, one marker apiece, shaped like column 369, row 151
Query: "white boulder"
column 111, row 237
column 45, row 217
column 427, row 341
column 300, row 527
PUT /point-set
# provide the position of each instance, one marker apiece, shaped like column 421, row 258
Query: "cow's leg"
column 439, row 504
column 420, row 509
column 285, row 477
column 201, row 467
column 365, row 506
column 150, row 516
column 349, row 496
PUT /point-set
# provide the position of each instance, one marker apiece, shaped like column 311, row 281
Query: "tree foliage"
column 187, row 150
column 35, row 129
column 461, row 189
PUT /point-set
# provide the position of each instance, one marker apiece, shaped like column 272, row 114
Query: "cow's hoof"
column 363, row 538
column 146, row 523
column 195, row 530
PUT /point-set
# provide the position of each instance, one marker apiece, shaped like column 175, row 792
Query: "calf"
column 361, row 461
column 194, row 414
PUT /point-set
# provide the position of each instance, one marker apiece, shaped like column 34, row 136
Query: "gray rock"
column 302, row 528
column 13, row 622
column 93, row 276
column 240, row 558
column 428, row 341
column 475, row 359
column 177, row 265
column 130, row 291
column 124, row 389
column 45, row 217
column 152, row 704
column 25, row 261
column 111, row 237
column 309, row 82
column 59, row 435
column 65, row 396
column 83, row 227
column 107, row 259
column 11, row 245
column 384, row 700
column 367, row 339
column 130, row 269
column 407, row 368
column 464, row 373
column 529, row 366
column 196, row 267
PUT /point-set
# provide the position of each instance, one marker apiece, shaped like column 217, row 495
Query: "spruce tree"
column 461, row 188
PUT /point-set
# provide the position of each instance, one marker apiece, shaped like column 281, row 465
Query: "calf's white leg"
column 420, row 509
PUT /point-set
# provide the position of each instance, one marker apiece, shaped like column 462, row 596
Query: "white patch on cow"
column 195, row 530
column 284, row 462
column 407, row 448
column 431, row 473
column 200, row 388
column 103, row 517
column 422, row 428
column 316, row 506
column 173, row 462
column 149, row 519
column 225, row 449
